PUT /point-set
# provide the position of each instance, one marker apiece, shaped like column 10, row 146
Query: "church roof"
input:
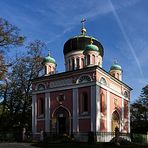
column 49, row 59
column 80, row 42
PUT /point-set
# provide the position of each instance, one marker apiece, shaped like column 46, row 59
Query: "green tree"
column 139, row 112
column 18, row 101
column 9, row 37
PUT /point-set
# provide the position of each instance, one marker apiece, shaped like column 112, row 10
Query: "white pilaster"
column 122, row 125
column 80, row 66
column 47, row 112
column 129, row 129
column 75, row 110
column 75, row 65
column 108, row 112
column 98, row 115
column 95, row 108
column 34, row 114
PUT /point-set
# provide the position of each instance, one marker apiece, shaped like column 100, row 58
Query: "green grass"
column 84, row 145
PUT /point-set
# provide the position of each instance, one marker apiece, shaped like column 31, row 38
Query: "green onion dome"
column 49, row 59
column 116, row 66
column 91, row 47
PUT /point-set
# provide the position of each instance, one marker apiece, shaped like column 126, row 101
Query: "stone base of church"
column 83, row 137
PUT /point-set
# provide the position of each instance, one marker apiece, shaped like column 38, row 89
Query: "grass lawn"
column 84, row 145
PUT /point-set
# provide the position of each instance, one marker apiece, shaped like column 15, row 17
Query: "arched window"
column 82, row 62
column 126, row 94
column 41, row 87
column 93, row 59
column 115, row 121
column 102, row 103
column 41, row 107
column 49, row 70
column 77, row 60
column 73, row 64
column 117, row 75
column 88, row 59
column 84, row 103
column 85, row 100
column 69, row 64
column 103, row 81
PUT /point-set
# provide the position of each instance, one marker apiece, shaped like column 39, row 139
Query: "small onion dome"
column 49, row 59
column 116, row 66
column 90, row 47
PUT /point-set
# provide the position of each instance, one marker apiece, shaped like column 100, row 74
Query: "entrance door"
column 115, row 121
column 62, row 121
column 62, row 125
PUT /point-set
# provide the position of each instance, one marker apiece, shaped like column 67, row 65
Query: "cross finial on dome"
column 115, row 61
column 91, row 41
column 49, row 52
column 83, row 30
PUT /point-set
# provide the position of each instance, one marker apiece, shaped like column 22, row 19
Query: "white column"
column 80, row 66
column 108, row 112
column 75, row 65
column 70, row 66
column 47, row 112
column 34, row 114
column 95, row 108
column 129, row 129
column 75, row 110
column 122, row 119
column 90, row 59
column 97, row 102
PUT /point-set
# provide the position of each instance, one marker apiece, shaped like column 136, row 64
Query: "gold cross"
column 83, row 21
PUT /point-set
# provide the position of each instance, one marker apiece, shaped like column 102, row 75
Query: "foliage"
column 139, row 113
column 9, row 37
column 17, row 103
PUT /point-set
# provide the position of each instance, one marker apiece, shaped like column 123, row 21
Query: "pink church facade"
column 85, row 97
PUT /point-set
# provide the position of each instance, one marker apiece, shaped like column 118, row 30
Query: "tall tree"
column 23, row 71
column 139, row 112
column 9, row 37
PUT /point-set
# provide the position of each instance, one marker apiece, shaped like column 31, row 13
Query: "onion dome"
column 91, row 47
column 116, row 66
column 49, row 59
column 80, row 42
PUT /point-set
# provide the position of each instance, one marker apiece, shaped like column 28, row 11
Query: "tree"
column 9, row 37
column 18, row 101
column 139, row 112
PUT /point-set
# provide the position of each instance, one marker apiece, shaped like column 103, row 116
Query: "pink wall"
column 84, row 125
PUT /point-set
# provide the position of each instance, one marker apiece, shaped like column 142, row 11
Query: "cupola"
column 116, row 70
column 50, row 65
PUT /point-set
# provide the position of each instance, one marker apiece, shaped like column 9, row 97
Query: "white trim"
column 122, row 120
column 61, row 106
column 66, row 87
column 129, row 130
column 98, row 115
column 108, row 112
column 84, row 117
column 111, row 90
column 93, row 108
column 34, row 114
column 47, row 112
column 75, row 110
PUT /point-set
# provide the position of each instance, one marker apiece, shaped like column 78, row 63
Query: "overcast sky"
column 120, row 25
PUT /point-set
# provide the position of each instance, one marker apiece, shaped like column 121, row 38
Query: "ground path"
column 16, row 145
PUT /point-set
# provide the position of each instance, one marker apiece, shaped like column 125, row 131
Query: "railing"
column 139, row 138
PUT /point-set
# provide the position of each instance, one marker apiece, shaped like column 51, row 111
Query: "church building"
column 85, row 97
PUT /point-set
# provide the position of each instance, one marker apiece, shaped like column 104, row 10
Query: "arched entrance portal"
column 115, row 121
column 62, row 120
